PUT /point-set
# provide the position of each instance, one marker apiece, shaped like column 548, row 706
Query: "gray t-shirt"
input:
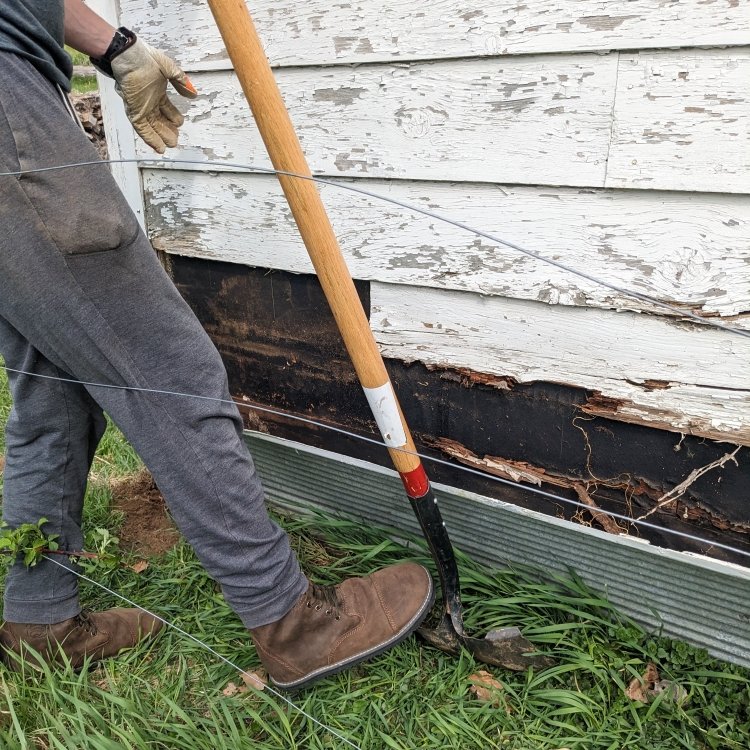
column 34, row 29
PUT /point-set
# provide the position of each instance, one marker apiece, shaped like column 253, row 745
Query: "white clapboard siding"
column 682, row 121
column 500, row 115
column 667, row 121
column 533, row 119
column 649, row 370
column 318, row 32
column 690, row 250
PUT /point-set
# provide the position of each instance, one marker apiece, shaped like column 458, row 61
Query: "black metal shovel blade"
column 505, row 647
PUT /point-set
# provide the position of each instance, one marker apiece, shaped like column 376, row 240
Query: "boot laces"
column 324, row 596
column 83, row 620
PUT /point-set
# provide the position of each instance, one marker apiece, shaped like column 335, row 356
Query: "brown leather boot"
column 332, row 628
column 94, row 634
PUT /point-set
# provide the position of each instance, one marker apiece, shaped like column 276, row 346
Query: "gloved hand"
column 141, row 74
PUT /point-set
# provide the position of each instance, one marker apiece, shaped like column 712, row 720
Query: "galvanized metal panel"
column 694, row 598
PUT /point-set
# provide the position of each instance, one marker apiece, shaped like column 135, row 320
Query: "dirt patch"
column 147, row 528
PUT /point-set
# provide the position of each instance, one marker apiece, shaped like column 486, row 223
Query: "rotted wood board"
column 663, row 120
column 645, row 369
column 693, row 251
column 282, row 350
column 321, row 33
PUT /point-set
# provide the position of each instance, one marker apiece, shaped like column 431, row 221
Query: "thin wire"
column 417, row 209
column 252, row 677
column 380, row 443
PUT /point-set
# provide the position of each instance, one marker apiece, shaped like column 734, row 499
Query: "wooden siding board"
column 690, row 250
column 682, row 121
column 542, row 120
column 651, row 120
column 318, row 32
column 646, row 369
column 660, row 120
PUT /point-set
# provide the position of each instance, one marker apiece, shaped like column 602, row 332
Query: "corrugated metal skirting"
column 693, row 598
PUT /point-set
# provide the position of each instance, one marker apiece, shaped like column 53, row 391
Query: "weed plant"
column 168, row 695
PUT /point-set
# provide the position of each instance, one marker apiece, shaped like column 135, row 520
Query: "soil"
column 147, row 528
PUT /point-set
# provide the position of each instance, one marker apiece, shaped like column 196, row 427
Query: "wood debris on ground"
column 89, row 110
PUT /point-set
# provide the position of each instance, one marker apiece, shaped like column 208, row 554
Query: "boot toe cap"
column 406, row 592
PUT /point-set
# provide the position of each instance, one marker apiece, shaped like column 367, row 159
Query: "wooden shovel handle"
column 263, row 95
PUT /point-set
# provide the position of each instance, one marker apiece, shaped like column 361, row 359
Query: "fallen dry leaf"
column 646, row 687
column 673, row 692
column 639, row 687
column 139, row 566
column 230, row 690
column 487, row 689
column 250, row 681
column 256, row 680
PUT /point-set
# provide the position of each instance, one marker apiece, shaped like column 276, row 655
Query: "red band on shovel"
column 416, row 483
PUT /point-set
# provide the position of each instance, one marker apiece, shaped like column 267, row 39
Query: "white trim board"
column 120, row 134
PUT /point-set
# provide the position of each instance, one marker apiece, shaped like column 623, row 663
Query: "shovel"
column 505, row 647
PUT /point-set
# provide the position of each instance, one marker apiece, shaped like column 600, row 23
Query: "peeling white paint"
column 682, row 121
column 517, row 141
column 693, row 250
column 319, row 32
column 660, row 120
column 545, row 120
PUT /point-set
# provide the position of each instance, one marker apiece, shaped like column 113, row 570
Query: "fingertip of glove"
column 184, row 86
column 188, row 84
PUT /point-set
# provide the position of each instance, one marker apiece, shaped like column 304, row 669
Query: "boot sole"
column 333, row 669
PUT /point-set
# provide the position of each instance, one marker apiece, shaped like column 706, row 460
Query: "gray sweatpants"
column 83, row 296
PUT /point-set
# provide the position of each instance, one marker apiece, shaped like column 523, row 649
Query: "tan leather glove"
column 141, row 74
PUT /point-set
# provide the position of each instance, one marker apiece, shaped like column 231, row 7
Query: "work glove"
column 141, row 74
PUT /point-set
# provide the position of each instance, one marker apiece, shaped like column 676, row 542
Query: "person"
column 84, row 298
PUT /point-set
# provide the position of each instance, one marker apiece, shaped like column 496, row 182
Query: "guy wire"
column 252, row 677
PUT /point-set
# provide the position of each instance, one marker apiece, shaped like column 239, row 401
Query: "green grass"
column 168, row 696
column 82, row 84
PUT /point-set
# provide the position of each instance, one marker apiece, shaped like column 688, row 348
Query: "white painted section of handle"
column 384, row 407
